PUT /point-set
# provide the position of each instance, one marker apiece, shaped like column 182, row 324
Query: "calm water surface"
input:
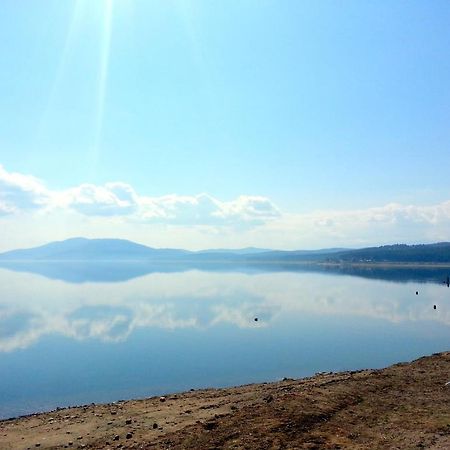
column 74, row 339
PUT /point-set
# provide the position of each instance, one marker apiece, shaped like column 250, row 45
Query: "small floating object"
column 417, row 292
column 256, row 319
column 434, row 306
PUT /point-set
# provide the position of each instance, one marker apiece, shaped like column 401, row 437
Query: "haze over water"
column 72, row 339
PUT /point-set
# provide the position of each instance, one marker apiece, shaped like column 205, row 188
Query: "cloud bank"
column 24, row 193
column 116, row 209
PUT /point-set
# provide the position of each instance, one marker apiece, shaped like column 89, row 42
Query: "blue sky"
column 273, row 116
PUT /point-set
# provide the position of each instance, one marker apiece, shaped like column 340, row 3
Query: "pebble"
column 155, row 426
column 128, row 422
column 129, row 435
column 162, row 399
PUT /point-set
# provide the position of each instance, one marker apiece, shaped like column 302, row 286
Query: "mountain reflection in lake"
column 69, row 342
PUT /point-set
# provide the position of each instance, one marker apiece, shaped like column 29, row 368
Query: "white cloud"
column 110, row 200
column 252, row 209
column 201, row 221
column 206, row 210
column 389, row 223
column 20, row 192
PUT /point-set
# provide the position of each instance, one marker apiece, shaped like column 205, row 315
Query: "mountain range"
column 82, row 249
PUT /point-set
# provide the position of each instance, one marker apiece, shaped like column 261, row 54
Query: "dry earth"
column 404, row 406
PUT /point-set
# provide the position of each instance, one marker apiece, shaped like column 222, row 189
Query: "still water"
column 77, row 333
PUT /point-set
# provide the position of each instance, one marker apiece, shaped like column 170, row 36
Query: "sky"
column 200, row 124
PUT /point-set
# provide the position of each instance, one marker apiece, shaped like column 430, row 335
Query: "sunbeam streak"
column 105, row 46
column 61, row 69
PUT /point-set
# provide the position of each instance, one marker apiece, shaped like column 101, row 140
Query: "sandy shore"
column 403, row 406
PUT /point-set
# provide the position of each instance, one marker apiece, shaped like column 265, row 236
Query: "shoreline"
column 401, row 406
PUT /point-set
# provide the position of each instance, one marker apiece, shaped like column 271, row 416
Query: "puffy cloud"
column 257, row 218
column 397, row 222
column 110, row 200
column 251, row 209
column 206, row 210
column 183, row 209
column 20, row 192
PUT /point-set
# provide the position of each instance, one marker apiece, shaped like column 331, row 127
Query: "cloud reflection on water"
column 32, row 307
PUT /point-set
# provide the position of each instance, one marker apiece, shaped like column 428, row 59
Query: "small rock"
column 129, row 435
column 162, row 399
column 116, row 437
column 210, row 425
column 155, row 426
column 128, row 422
column 37, row 444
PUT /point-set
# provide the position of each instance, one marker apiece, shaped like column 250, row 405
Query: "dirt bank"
column 403, row 406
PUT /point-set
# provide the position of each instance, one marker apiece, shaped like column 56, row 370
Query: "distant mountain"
column 92, row 249
column 82, row 249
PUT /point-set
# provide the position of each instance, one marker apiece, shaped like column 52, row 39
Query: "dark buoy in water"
column 256, row 319
column 434, row 306
column 417, row 292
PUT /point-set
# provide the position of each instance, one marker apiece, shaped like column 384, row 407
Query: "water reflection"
column 32, row 307
column 120, row 271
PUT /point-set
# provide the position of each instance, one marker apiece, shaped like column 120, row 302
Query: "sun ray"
column 62, row 67
column 105, row 47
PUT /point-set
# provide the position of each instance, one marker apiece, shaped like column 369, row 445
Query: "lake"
column 76, row 333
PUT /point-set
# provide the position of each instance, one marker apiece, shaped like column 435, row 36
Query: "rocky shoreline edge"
column 403, row 406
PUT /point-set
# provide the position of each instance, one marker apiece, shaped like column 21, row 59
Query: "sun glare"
column 105, row 48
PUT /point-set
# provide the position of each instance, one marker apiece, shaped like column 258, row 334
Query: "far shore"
column 242, row 262
column 403, row 406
